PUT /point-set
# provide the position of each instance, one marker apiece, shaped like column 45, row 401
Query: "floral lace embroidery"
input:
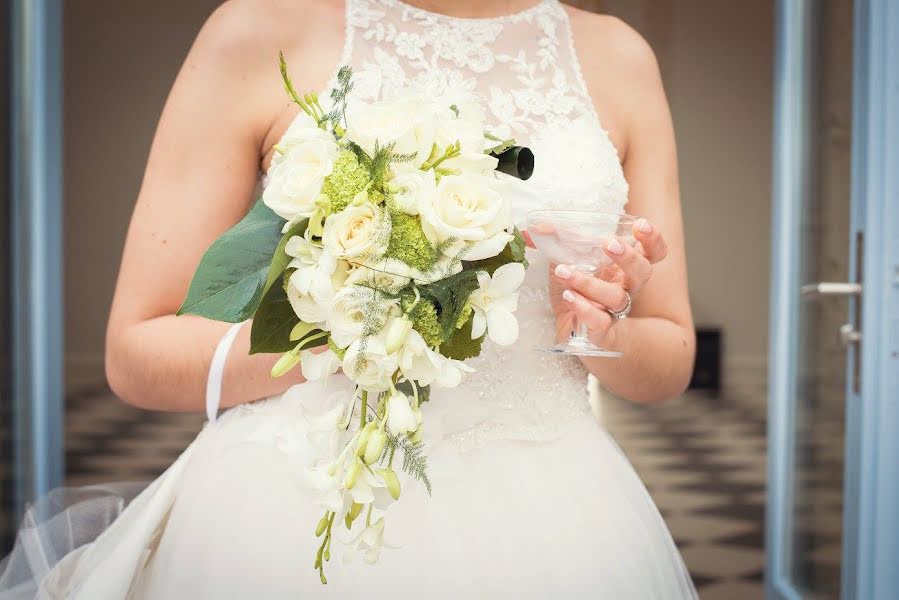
column 523, row 72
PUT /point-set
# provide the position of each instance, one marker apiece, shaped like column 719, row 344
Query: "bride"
column 531, row 497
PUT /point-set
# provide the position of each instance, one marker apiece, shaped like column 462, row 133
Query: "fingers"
column 591, row 288
column 635, row 267
column 527, row 239
column 596, row 319
column 654, row 246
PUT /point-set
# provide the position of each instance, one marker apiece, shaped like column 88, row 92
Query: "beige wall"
column 121, row 57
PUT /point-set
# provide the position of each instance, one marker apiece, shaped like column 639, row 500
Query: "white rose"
column 471, row 209
column 302, row 129
column 407, row 121
column 295, row 180
column 368, row 364
column 400, row 416
column 411, row 187
column 357, row 233
column 357, row 311
column 318, row 276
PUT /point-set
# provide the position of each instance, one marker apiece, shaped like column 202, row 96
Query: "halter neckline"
column 497, row 19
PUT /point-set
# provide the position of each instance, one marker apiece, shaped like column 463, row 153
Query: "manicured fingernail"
column 563, row 271
column 615, row 247
column 568, row 296
column 645, row 226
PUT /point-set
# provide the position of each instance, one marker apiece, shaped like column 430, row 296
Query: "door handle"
column 828, row 288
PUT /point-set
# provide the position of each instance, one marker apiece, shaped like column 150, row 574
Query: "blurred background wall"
column 122, row 56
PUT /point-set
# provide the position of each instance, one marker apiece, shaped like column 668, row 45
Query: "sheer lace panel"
column 522, row 70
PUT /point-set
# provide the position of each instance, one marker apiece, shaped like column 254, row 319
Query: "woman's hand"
column 591, row 298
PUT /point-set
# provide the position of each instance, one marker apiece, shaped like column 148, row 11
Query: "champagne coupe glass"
column 577, row 238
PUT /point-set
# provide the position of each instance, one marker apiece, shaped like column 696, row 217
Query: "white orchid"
column 315, row 281
column 369, row 543
column 494, row 303
column 325, row 481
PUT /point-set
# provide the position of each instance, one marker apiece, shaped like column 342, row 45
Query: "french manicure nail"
column 568, row 296
column 645, row 226
column 615, row 247
column 563, row 271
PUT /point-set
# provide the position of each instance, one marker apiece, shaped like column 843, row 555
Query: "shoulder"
column 243, row 30
column 607, row 40
column 620, row 69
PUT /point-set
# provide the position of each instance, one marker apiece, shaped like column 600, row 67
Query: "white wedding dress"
column 531, row 497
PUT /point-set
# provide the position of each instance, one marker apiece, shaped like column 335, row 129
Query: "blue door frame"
column 871, row 490
column 36, row 218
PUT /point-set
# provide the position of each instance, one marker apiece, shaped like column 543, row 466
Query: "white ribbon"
column 217, row 372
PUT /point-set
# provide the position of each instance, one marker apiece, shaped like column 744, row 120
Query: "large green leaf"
column 230, row 281
column 273, row 323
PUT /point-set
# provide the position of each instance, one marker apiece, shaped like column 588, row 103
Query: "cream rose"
column 411, row 187
column 473, row 211
column 295, row 180
column 357, row 233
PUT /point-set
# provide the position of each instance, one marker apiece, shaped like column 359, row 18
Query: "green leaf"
column 280, row 260
column 230, row 280
column 424, row 391
column 273, row 323
column 516, row 246
column 460, row 346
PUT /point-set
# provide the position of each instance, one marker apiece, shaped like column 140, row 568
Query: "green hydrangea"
column 424, row 320
column 347, row 179
column 464, row 316
column 408, row 242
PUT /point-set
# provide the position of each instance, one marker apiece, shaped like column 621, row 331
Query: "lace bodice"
column 523, row 72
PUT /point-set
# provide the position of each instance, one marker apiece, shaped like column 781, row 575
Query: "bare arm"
column 199, row 181
column 657, row 339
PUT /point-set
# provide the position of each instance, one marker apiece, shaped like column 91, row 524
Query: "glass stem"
column 579, row 329
column 579, row 332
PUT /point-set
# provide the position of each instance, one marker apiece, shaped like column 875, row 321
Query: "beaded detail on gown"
column 531, row 497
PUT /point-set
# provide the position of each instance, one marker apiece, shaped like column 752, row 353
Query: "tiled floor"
column 703, row 461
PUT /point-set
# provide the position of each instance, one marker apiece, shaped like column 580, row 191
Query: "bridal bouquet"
column 383, row 245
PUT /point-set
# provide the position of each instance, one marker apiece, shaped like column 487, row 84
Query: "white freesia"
column 356, row 310
column 368, row 363
column 295, row 178
column 318, row 276
column 471, row 209
column 357, row 233
column 494, row 303
column 406, row 121
column 319, row 365
column 401, row 418
column 411, row 187
column 468, row 130
column 303, row 129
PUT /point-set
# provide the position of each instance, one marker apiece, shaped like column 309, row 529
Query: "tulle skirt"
column 233, row 519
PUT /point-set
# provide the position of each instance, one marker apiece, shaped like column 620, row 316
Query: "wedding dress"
column 531, row 497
